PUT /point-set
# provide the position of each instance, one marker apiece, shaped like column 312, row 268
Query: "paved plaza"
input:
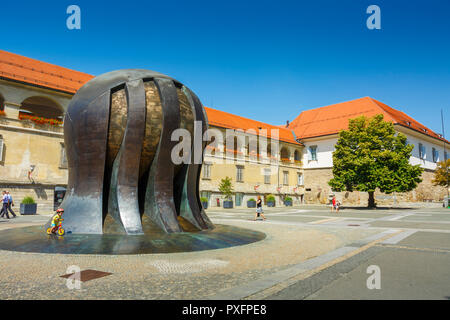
column 308, row 253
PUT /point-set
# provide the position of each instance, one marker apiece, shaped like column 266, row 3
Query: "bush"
column 270, row 198
column 203, row 199
column 28, row 200
column 288, row 199
column 251, row 199
column 226, row 188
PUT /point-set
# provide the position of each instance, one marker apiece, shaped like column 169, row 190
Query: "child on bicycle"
column 57, row 219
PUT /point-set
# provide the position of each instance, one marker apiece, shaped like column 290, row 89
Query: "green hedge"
column 270, row 198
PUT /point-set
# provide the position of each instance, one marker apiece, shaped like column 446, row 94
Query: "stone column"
column 12, row 109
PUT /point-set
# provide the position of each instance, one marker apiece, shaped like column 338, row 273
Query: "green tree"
column 370, row 155
column 441, row 175
column 226, row 188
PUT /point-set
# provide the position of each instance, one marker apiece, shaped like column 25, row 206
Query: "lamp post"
column 445, row 160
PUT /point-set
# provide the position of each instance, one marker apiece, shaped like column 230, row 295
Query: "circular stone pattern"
column 35, row 239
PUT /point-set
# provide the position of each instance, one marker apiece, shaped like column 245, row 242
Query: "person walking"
column 10, row 204
column 333, row 203
column 259, row 211
column 5, row 200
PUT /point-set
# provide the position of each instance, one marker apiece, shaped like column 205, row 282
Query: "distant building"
column 279, row 174
column 318, row 129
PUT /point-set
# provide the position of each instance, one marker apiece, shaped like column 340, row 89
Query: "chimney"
column 287, row 123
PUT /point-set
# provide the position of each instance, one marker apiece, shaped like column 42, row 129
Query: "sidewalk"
column 194, row 275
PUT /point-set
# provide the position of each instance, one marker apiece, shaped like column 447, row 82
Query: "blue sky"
column 266, row 60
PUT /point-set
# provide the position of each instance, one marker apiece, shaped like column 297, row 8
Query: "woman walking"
column 259, row 211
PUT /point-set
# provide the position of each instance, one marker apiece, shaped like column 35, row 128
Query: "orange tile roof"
column 35, row 72
column 23, row 69
column 334, row 118
column 230, row 121
column 311, row 123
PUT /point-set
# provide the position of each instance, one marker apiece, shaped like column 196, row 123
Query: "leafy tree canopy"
column 226, row 188
column 370, row 155
column 441, row 175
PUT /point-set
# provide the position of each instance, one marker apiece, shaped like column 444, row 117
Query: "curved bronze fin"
column 193, row 209
column 85, row 135
column 159, row 203
column 123, row 204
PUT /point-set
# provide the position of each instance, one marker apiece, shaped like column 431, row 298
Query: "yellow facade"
column 33, row 158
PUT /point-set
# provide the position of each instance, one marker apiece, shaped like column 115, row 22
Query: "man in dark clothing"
column 10, row 204
column 5, row 201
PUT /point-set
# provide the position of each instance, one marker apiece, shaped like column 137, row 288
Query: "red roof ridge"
column 325, row 120
column 228, row 120
column 32, row 71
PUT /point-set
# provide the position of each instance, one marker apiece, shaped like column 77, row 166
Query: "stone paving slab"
column 196, row 275
column 411, row 225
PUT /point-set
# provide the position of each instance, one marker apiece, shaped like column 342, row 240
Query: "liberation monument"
column 125, row 194
column 117, row 133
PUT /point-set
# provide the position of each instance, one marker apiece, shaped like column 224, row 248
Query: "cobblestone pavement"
column 295, row 237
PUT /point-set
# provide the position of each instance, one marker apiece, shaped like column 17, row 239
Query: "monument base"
column 34, row 239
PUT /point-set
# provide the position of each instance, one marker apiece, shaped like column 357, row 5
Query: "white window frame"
column 267, row 175
column 63, row 157
column 239, row 173
column 206, row 171
column 312, row 156
column 422, row 151
column 300, row 179
column 286, row 178
column 435, row 155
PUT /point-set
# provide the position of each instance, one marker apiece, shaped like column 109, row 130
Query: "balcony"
column 31, row 122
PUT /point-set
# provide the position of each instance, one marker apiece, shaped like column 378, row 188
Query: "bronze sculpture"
column 122, row 180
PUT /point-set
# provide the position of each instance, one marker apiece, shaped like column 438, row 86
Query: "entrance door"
column 59, row 193
column 239, row 196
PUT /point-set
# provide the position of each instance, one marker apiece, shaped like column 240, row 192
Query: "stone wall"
column 317, row 190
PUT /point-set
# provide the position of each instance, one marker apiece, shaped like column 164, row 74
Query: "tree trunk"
column 371, row 199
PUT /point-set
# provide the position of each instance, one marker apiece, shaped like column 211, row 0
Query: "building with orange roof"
column 318, row 129
column 34, row 96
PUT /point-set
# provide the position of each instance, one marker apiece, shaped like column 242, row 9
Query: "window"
column 1, row 148
column 2, row 103
column 422, row 151
column 239, row 173
column 299, row 179
column 206, row 171
column 297, row 157
column 313, row 153
column 286, row 178
column 435, row 155
column 239, row 196
column 267, row 176
column 445, row 155
column 63, row 160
